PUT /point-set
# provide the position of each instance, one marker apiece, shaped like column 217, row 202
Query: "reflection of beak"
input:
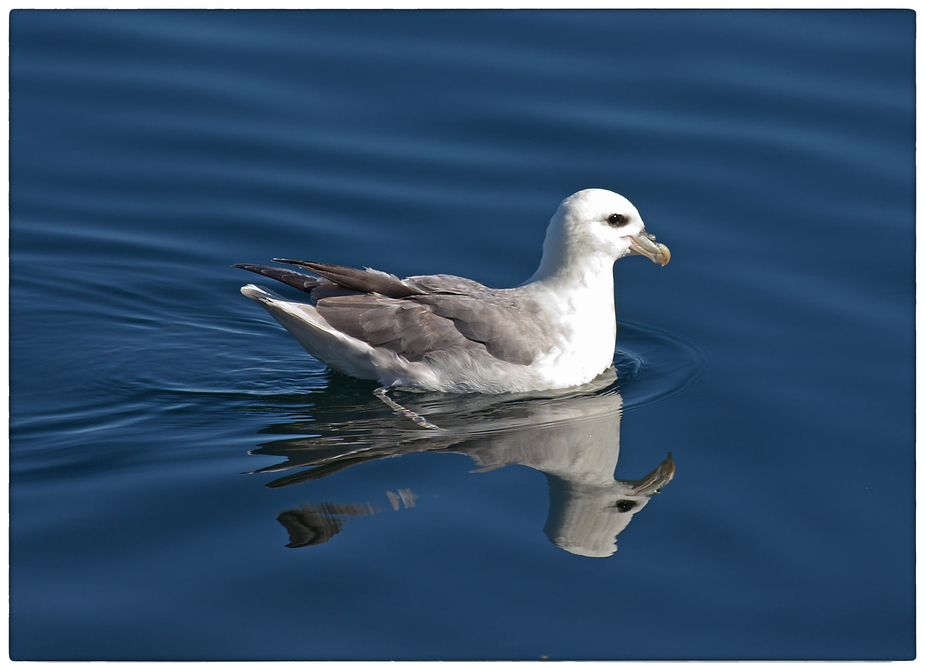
column 655, row 480
column 644, row 245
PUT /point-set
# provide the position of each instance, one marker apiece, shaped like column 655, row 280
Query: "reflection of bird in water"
column 585, row 517
column 446, row 333
column 573, row 439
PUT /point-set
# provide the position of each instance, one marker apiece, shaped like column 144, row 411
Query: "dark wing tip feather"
column 364, row 281
column 291, row 262
column 289, row 277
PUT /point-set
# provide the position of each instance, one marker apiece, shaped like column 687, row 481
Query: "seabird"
column 444, row 333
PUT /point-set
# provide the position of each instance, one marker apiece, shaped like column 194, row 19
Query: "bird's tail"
column 333, row 348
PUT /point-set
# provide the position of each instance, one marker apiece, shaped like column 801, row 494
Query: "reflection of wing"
column 323, row 466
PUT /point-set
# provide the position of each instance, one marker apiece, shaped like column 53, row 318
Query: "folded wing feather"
column 419, row 316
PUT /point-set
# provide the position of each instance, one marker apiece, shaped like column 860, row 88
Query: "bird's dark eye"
column 624, row 505
column 617, row 220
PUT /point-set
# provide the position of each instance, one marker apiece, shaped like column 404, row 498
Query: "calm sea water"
column 169, row 440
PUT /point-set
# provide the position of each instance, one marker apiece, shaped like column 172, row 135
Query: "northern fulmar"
column 444, row 333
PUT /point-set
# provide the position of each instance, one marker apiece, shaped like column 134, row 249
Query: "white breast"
column 585, row 323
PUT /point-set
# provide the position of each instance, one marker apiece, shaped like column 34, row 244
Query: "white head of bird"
column 592, row 229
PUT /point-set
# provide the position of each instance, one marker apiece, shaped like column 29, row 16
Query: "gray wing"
column 505, row 322
column 403, row 325
column 421, row 316
column 418, row 325
column 509, row 331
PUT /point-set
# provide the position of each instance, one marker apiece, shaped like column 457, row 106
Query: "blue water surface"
column 168, row 439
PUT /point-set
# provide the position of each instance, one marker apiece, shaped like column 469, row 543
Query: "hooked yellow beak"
column 644, row 245
column 655, row 480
